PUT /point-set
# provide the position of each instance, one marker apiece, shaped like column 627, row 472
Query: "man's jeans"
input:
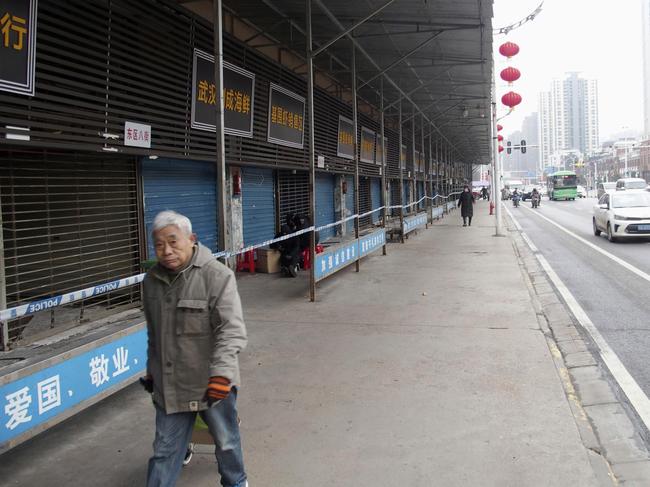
column 174, row 431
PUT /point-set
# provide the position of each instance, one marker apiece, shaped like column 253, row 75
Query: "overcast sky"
column 599, row 38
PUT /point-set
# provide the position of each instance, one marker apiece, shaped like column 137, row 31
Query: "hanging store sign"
column 416, row 164
column 402, row 157
column 367, row 152
column 18, row 46
column 380, row 149
column 137, row 134
column 345, row 147
column 286, row 117
column 238, row 97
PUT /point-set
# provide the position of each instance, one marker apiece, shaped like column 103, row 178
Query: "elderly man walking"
column 195, row 333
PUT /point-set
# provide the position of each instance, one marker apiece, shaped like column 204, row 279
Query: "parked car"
column 625, row 184
column 605, row 188
column 525, row 193
column 582, row 192
column 623, row 214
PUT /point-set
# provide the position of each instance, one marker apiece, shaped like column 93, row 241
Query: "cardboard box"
column 268, row 260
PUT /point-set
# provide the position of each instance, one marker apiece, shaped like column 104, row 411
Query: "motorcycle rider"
column 535, row 198
column 516, row 196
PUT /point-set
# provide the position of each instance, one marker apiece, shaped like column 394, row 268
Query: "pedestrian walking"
column 466, row 205
column 195, row 333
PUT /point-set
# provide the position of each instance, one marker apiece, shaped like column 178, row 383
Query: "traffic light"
column 523, row 146
column 509, row 149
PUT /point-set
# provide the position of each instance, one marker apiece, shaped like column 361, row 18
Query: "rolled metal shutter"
column 69, row 221
column 293, row 192
column 364, row 202
column 349, row 202
column 258, row 204
column 395, row 197
column 375, row 189
column 325, row 212
column 188, row 187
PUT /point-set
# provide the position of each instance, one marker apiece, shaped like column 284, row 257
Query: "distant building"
column 568, row 119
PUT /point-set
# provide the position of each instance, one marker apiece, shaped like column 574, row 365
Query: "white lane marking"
column 628, row 385
column 616, row 259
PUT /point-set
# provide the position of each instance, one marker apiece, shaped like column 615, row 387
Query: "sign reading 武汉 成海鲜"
column 286, row 117
column 18, row 46
column 345, row 147
column 367, row 152
column 238, row 97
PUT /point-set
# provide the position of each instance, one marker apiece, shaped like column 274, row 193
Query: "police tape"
column 89, row 292
column 67, row 298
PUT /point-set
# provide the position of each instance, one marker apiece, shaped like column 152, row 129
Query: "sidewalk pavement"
column 427, row 368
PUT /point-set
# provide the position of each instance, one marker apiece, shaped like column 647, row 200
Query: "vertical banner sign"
column 380, row 149
column 18, row 46
column 402, row 157
column 238, row 97
column 367, row 152
column 345, row 147
column 416, row 163
column 286, row 117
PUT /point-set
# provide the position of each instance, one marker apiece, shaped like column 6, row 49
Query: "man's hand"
column 218, row 389
column 147, row 383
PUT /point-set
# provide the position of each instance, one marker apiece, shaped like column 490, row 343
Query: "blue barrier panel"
column 413, row 222
column 371, row 242
column 31, row 404
column 336, row 259
column 438, row 212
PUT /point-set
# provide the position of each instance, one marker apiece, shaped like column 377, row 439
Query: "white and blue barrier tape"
column 71, row 297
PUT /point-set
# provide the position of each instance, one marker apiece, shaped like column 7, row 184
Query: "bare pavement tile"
column 427, row 368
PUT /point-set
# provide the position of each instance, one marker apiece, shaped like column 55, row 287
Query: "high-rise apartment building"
column 568, row 119
column 645, row 22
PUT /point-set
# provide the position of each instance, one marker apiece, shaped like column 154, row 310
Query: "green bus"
column 562, row 185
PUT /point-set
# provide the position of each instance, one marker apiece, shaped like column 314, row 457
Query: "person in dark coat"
column 466, row 205
column 289, row 248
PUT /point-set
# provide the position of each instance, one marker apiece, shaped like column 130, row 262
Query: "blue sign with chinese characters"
column 370, row 243
column 413, row 222
column 334, row 260
column 30, row 401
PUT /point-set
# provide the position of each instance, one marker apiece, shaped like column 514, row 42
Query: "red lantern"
column 500, row 137
column 510, row 74
column 511, row 99
column 499, row 127
column 500, row 148
column 509, row 49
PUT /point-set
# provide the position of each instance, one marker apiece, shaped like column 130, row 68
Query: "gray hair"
column 169, row 217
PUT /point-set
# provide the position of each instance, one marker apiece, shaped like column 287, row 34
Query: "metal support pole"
column 414, row 192
column 220, row 142
column 401, row 173
column 356, row 147
column 496, row 176
column 4, row 326
column 384, row 193
column 430, row 179
column 424, row 162
column 312, row 154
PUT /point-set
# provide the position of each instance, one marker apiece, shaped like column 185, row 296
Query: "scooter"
column 515, row 200
column 535, row 201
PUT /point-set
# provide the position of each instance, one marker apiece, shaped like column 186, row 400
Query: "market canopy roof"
column 434, row 54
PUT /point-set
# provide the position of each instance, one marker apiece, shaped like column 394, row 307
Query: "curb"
column 616, row 449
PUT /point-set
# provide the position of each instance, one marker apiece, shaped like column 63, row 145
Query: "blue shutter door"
column 375, row 195
column 406, row 200
column 325, row 204
column 188, row 187
column 349, row 202
column 421, row 194
column 258, row 205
